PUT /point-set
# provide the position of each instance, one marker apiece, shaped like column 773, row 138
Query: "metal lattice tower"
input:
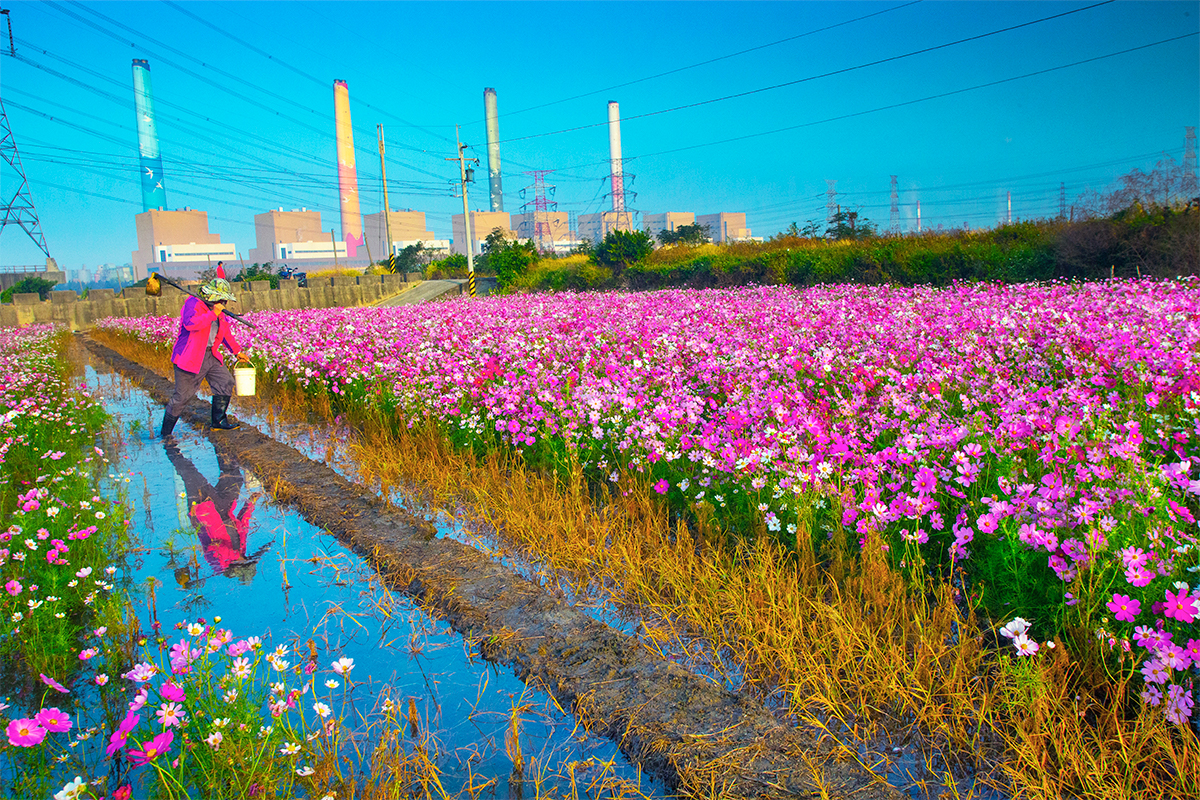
column 830, row 201
column 895, row 214
column 20, row 209
column 542, row 230
column 1189, row 162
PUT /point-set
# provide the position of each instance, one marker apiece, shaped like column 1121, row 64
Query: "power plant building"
column 726, row 227
column 295, row 235
column 482, row 223
column 555, row 230
column 594, row 227
column 178, row 243
column 654, row 224
column 407, row 228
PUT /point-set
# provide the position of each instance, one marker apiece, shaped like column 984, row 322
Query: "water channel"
column 266, row 571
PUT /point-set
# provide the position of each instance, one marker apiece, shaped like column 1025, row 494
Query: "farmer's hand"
column 243, row 358
column 218, row 308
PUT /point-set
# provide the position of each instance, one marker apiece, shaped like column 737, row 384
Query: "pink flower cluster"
column 1060, row 418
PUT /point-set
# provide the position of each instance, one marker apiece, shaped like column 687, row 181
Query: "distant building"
column 726, row 227
column 653, row 224
column 555, row 233
column 408, row 228
column 178, row 241
column 482, row 223
column 294, row 235
column 594, row 227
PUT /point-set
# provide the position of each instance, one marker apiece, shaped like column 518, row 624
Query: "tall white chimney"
column 614, row 156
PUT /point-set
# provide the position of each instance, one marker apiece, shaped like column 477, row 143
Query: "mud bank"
column 694, row 735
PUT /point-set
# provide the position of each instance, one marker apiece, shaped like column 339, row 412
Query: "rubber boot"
column 168, row 425
column 220, row 422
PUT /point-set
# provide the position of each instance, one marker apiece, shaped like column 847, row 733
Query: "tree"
column 258, row 272
column 411, row 259
column 849, row 225
column 26, row 286
column 686, row 234
column 622, row 248
column 509, row 260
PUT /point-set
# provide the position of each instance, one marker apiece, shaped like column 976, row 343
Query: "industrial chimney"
column 352, row 231
column 154, row 196
column 493, row 148
column 614, row 156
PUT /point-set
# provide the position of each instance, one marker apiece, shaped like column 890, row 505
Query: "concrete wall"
column 66, row 307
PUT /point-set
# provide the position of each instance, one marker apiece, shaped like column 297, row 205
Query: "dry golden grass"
column 840, row 643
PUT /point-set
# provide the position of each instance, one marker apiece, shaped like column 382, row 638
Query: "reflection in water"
column 222, row 529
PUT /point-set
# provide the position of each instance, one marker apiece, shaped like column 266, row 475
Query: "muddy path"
column 686, row 730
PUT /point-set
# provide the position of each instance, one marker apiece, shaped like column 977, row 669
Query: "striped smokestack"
column 352, row 231
column 493, row 148
column 153, row 194
column 614, row 156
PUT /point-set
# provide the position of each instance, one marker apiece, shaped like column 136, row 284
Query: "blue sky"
column 244, row 99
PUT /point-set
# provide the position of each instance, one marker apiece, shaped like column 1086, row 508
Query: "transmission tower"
column 1062, row 200
column 895, row 220
column 19, row 210
column 830, row 201
column 1189, row 162
column 543, row 232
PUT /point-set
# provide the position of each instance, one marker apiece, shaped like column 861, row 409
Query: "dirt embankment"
column 698, row 737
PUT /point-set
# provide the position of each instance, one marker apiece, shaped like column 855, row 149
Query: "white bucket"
column 243, row 379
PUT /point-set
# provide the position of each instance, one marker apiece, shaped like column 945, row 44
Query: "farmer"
column 203, row 328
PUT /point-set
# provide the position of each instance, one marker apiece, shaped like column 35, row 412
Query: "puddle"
column 215, row 544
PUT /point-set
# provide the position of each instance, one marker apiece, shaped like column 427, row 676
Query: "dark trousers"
column 220, row 382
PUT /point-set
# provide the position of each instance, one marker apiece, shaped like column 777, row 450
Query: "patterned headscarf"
column 216, row 290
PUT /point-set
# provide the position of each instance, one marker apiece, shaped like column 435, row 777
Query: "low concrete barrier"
column 66, row 307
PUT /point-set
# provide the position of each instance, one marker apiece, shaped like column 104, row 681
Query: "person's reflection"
column 222, row 529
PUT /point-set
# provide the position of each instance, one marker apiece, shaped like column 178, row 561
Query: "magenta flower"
column 173, row 693
column 53, row 720
column 1154, row 671
column 1124, row 608
column 925, row 481
column 25, row 733
column 152, row 749
column 1181, row 606
column 13, row 587
column 662, row 486
column 53, row 684
column 986, row 523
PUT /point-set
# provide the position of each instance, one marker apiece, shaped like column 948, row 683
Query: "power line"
column 798, row 81
column 708, row 61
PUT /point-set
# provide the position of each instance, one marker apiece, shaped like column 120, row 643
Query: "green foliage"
column 686, row 234
column 412, row 258
column 259, row 272
column 28, row 285
column 622, row 248
column 509, row 260
column 452, row 266
column 849, row 225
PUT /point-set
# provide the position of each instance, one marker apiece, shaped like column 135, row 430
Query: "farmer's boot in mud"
column 220, row 422
column 168, row 425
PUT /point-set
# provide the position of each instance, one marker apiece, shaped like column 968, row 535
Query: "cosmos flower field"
column 1038, row 440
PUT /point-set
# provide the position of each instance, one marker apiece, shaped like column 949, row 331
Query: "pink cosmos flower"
column 1181, row 606
column 152, row 749
column 13, row 587
column 1152, row 695
column 662, row 486
column 173, row 693
column 53, row 720
column 53, row 684
column 1124, row 608
column 1154, row 671
column 169, row 714
column 25, row 733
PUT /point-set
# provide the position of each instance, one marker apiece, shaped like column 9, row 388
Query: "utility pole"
column 466, row 176
column 387, row 209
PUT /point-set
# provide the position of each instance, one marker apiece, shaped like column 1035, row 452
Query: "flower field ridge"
column 1041, row 438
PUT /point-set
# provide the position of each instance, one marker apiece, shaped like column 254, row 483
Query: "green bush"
column 28, row 285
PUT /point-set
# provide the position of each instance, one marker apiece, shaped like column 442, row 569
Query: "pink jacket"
column 195, row 320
